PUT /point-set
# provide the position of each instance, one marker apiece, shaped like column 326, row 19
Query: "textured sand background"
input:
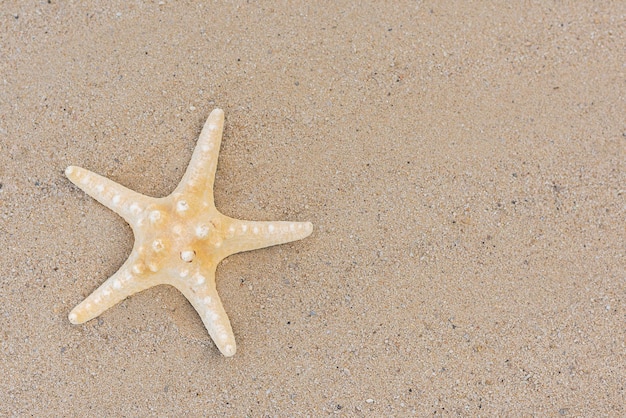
column 463, row 165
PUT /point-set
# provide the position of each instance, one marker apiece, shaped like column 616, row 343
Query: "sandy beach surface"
column 463, row 165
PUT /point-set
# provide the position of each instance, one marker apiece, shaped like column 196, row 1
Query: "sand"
column 463, row 165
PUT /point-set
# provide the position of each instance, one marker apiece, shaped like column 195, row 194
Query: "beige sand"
column 463, row 166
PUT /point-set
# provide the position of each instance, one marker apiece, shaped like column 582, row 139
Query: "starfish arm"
column 125, row 202
column 251, row 235
column 125, row 282
column 202, row 294
column 200, row 173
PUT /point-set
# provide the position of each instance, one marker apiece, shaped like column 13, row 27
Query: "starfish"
column 180, row 239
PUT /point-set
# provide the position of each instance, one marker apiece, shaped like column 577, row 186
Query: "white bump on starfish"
column 199, row 278
column 187, row 256
column 155, row 216
column 180, row 238
column 202, row 231
column 157, row 245
column 138, row 268
column 181, row 206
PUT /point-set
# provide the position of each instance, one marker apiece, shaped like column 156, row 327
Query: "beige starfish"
column 180, row 239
